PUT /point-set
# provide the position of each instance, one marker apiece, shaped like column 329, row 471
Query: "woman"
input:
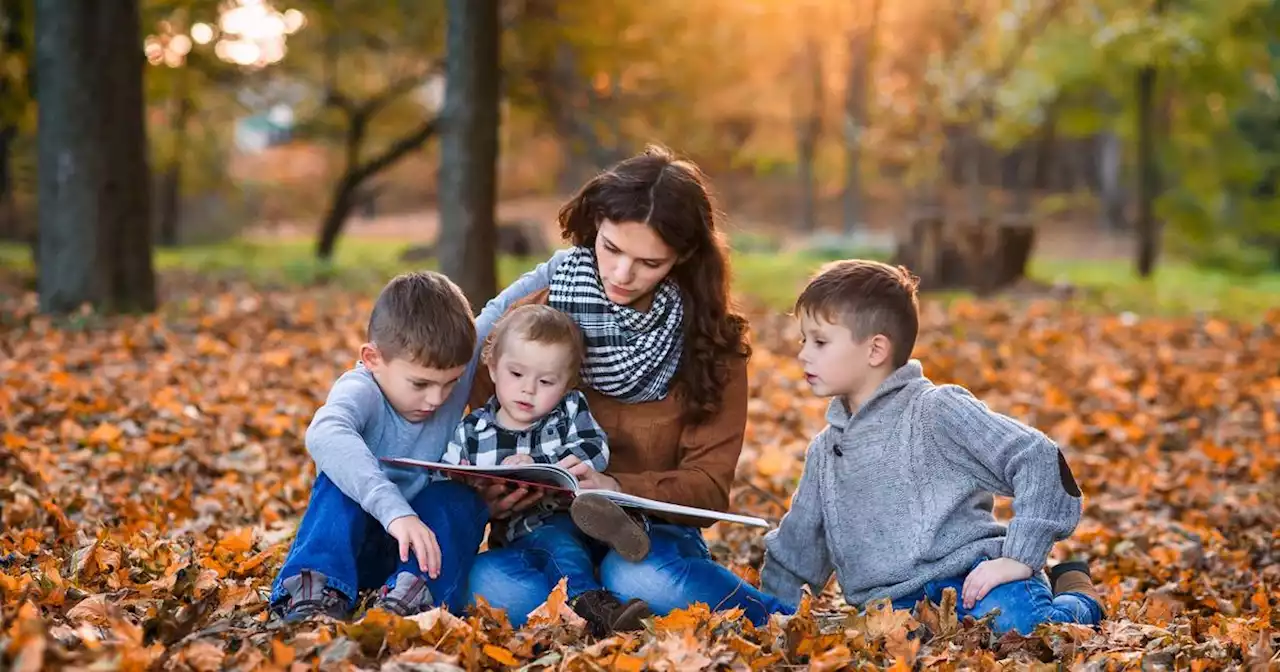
column 665, row 375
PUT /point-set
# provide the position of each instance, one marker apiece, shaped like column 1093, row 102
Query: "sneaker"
column 602, row 519
column 1074, row 577
column 409, row 595
column 310, row 597
column 606, row 614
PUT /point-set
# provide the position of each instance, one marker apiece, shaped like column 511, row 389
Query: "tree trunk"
column 1148, row 179
column 94, row 182
column 9, row 228
column 171, row 179
column 469, row 149
column 12, row 40
column 127, row 186
column 808, row 130
column 1109, row 177
column 1147, row 228
column 1148, row 175
column 72, row 268
column 344, row 200
column 862, row 50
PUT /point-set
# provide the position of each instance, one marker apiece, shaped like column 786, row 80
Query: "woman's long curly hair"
column 671, row 195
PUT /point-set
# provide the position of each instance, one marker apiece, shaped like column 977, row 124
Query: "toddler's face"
column 414, row 390
column 834, row 362
column 529, row 379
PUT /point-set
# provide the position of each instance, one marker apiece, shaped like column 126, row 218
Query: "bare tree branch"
column 397, row 150
column 393, row 91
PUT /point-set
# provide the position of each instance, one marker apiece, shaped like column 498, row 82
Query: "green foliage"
column 1216, row 62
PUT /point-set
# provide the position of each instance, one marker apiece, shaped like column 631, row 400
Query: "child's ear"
column 370, row 356
column 881, row 350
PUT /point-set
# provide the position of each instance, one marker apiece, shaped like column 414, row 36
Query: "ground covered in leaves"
column 152, row 469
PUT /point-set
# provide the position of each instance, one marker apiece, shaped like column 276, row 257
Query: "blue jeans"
column 677, row 573
column 339, row 539
column 560, row 550
column 1023, row 604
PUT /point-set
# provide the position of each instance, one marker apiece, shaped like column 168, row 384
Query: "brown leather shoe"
column 605, row 614
column 601, row 518
column 1074, row 577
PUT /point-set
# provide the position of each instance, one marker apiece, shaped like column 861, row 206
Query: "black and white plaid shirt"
column 569, row 429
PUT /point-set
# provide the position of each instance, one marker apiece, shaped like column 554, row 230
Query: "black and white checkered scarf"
column 631, row 356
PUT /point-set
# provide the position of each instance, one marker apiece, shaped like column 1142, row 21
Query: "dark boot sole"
column 605, row 521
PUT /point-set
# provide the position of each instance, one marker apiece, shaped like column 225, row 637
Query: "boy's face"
column 836, row 364
column 529, row 379
column 414, row 390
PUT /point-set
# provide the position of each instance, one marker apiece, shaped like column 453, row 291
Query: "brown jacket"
column 653, row 452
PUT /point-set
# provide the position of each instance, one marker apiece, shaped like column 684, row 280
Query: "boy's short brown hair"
column 423, row 317
column 538, row 323
column 869, row 297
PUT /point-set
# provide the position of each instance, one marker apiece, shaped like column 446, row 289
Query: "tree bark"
column 1148, row 180
column 171, row 180
column 1109, row 177
column 469, row 148
column 94, row 181
column 126, row 202
column 808, row 132
column 862, row 50
column 13, row 40
column 72, row 270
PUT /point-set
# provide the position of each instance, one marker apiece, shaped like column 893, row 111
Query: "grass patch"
column 770, row 278
column 1176, row 288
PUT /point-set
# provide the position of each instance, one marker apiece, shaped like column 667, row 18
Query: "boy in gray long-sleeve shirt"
column 402, row 399
column 897, row 492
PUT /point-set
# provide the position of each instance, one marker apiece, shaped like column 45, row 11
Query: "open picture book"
column 556, row 478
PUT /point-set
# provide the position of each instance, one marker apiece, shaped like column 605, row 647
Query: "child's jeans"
column 1023, row 604
column 677, row 573
column 559, row 550
column 340, row 540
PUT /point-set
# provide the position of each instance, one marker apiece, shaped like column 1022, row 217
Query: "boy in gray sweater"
column 897, row 492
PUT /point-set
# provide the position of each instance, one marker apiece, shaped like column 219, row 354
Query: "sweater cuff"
column 1028, row 544
column 386, row 504
column 779, row 581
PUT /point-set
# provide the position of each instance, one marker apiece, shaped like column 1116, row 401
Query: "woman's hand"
column 589, row 478
column 503, row 500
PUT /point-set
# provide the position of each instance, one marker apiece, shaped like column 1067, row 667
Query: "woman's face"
column 632, row 259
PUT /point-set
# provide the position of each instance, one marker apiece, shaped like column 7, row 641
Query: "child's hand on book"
column 987, row 575
column 516, row 460
column 413, row 534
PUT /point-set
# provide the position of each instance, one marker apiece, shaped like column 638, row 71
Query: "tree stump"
column 982, row 256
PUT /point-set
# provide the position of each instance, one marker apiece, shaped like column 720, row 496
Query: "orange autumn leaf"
column 627, row 663
column 281, row 654
column 237, row 541
column 500, row 654
column 104, row 433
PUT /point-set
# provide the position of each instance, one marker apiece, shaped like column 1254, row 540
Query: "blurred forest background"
column 199, row 200
column 977, row 141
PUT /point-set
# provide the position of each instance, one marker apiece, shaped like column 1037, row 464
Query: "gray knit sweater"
column 899, row 494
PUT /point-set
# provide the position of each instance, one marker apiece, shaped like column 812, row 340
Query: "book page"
column 623, row 499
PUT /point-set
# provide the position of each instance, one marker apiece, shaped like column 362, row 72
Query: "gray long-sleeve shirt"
column 900, row 493
column 357, row 425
